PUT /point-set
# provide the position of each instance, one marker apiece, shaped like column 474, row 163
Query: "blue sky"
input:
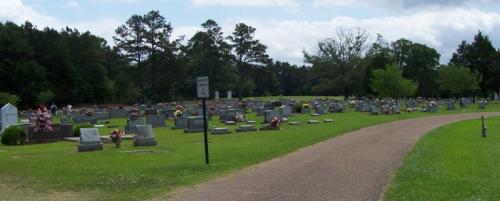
column 287, row 27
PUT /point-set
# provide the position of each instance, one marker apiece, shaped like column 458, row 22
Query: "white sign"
column 202, row 83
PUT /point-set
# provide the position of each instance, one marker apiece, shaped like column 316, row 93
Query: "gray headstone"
column 181, row 123
column 89, row 140
column 156, row 120
column 218, row 131
column 229, row 94
column 195, row 124
column 246, row 128
column 144, row 136
column 270, row 114
column 8, row 116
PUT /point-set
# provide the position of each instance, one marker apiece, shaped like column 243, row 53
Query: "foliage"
column 458, row 80
column 45, row 97
column 338, row 64
column 480, row 56
column 76, row 129
column 247, row 53
column 13, row 135
column 8, row 98
column 389, row 82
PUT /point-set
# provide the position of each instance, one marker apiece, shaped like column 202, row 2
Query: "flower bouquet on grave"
column 135, row 114
column 43, row 120
column 116, row 137
column 239, row 117
column 275, row 123
column 305, row 106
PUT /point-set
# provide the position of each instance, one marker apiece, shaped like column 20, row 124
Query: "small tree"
column 458, row 80
column 8, row 98
column 389, row 82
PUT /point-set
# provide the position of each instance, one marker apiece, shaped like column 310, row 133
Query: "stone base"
column 268, row 127
column 312, row 121
column 328, row 120
column 89, row 147
column 246, row 128
column 219, row 131
column 145, row 142
column 193, row 130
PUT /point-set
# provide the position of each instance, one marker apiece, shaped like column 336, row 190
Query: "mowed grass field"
column 56, row 171
column 452, row 163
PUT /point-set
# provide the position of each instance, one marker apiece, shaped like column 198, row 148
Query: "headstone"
column 144, row 136
column 312, row 121
column 194, row 124
column 320, row 109
column 230, row 123
column 482, row 105
column 219, row 131
column 270, row 114
column 132, row 123
column 101, row 115
column 246, row 128
column 294, row 123
column 118, row 113
column 229, row 94
column 156, row 120
column 450, row 105
column 251, row 122
column 286, row 110
column 216, row 95
column 8, row 116
column 89, row 140
column 328, row 120
column 181, row 123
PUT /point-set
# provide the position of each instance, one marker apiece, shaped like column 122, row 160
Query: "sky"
column 286, row 27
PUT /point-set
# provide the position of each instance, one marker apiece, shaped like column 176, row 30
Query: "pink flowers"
column 275, row 122
column 43, row 120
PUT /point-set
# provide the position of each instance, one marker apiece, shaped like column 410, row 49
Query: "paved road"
column 355, row 166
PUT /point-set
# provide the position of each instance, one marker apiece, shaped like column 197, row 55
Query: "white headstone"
column 217, row 95
column 8, row 115
column 229, row 94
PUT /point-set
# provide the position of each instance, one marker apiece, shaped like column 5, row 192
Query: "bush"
column 8, row 98
column 76, row 129
column 298, row 108
column 13, row 135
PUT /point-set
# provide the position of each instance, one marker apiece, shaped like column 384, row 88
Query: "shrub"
column 13, row 135
column 298, row 108
column 76, row 129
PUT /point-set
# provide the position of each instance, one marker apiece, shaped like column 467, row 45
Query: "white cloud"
column 16, row 11
column 246, row 2
column 443, row 30
column 401, row 3
column 72, row 5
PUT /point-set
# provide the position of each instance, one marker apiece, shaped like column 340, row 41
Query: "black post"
column 483, row 127
column 205, row 128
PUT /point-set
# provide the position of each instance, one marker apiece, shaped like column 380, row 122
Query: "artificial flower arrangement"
column 43, row 120
column 275, row 123
column 179, row 110
column 116, row 137
column 239, row 117
column 305, row 105
column 135, row 114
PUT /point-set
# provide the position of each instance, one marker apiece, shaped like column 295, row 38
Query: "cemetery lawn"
column 452, row 162
column 56, row 171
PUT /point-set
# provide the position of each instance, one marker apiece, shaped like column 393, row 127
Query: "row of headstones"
column 90, row 140
column 248, row 127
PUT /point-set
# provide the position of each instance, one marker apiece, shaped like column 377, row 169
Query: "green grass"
column 37, row 171
column 452, row 163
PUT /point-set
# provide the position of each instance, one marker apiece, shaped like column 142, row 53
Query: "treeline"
column 146, row 65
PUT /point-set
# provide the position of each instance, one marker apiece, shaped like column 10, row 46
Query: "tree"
column 131, row 43
column 338, row 66
column 247, row 52
column 458, row 80
column 209, row 54
column 157, row 34
column 389, row 82
column 419, row 63
column 479, row 56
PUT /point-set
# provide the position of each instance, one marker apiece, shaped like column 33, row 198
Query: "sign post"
column 204, row 93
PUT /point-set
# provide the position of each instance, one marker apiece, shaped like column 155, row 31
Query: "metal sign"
column 202, row 85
